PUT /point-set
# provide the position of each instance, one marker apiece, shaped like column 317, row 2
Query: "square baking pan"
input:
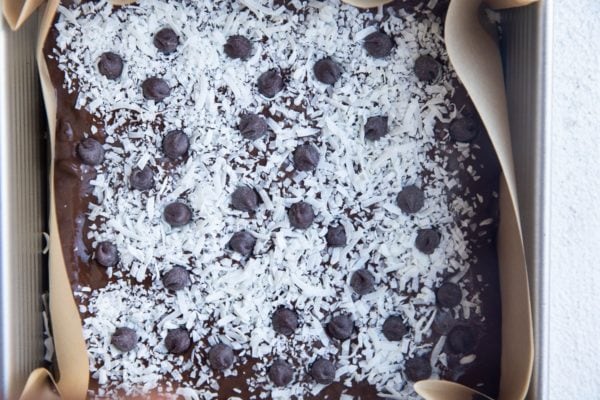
column 23, row 182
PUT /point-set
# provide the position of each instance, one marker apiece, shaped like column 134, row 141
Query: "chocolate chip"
column 301, row 215
column 448, row 295
column 176, row 278
column 175, row 144
column 106, row 254
column 124, row 339
column 341, row 327
column 461, row 339
column 443, row 322
column 270, row 83
column 155, row 88
column 464, row 129
column 427, row 69
column 166, row 40
column 110, row 65
column 322, row 371
column 90, row 151
column 378, row 45
column 285, row 321
column 252, row 126
column 394, row 328
column 177, row 214
column 244, row 198
column 242, row 242
column 327, row 71
column 177, row 341
column 427, row 240
column 142, row 179
column 376, row 127
column 362, row 281
column 411, row 199
column 238, row 46
column 221, row 356
column 336, row 236
column 306, row 157
column 417, row 368
column 281, row 373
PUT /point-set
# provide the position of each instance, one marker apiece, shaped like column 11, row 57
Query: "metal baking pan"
column 23, row 180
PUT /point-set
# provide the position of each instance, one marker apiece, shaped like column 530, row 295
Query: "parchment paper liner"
column 475, row 57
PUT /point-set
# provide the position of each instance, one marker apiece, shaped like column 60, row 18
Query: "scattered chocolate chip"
column 110, row 65
column 376, row 127
column 461, row 339
column 238, row 46
column 155, row 88
column 427, row 240
column 242, row 242
column 327, row 71
column 106, row 254
column 177, row 341
column 417, row 369
column 322, row 371
column 301, row 215
column 175, row 144
column 378, row 45
column 142, row 179
column 124, row 339
column 166, row 40
column 252, row 126
column 306, row 157
column 394, row 328
column 443, row 322
column 177, row 214
column 244, row 198
column 411, row 199
column 90, row 151
column 270, row 83
column 285, row 321
column 362, row 281
column 341, row 327
column 176, row 278
column 464, row 129
column 336, row 236
column 220, row 356
column 427, row 68
column 448, row 295
column 281, row 373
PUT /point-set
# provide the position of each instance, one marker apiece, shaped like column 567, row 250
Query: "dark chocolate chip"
column 336, row 236
column 176, row 278
column 90, row 151
column 306, row 157
column 155, row 88
column 238, row 46
column 362, row 282
column 166, row 40
column 242, row 242
column 427, row 240
column 378, row 45
column 175, row 144
column 394, row 328
column 281, row 373
column 221, row 356
column 417, row 368
column 427, row 68
column 252, row 126
column 341, row 327
column 285, row 321
column 124, row 339
column 327, row 71
column 464, row 129
column 270, row 83
column 461, row 339
column 178, row 341
column 106, row 254
column 376, row 127
column 244, row 198
column 301, row 215
column 142, row 179
column 411, row 199
column 110, row 65
column 443, row 322
column 177, row 214
column 449, row 295
column 322, row 371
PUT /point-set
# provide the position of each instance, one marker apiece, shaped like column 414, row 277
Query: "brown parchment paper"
column 476, row 59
